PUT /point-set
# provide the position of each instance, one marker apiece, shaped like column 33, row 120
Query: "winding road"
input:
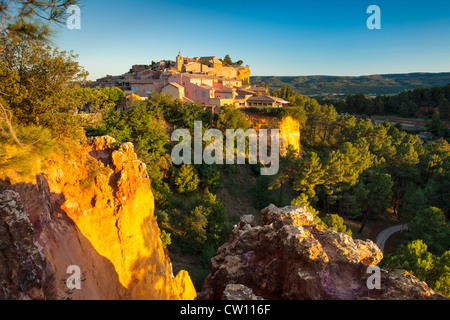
column 384, row 235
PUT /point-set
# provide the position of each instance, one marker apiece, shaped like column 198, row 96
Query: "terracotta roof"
column 264, row 89
column 267, row 99
column 206, row 86
column 199, row 76
column 175, row 85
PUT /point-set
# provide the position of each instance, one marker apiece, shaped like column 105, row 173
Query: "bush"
column 165, row 239
column 336, row 223
column 186, row 179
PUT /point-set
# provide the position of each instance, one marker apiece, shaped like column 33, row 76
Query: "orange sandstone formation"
column 288, row 127
column 93, row 209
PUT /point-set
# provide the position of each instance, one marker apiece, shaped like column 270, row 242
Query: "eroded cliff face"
column 288, row 127
column 92, row 209
column 289, row 257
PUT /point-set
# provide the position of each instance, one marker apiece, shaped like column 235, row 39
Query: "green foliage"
column 336, row 223
column 186, row 179
column 286, row 172
column 196, row 223
column 430, row 225
column 261, row 194
column 437, row 126
column 309, row 175
column 210, row 177
column 30, row 20
column 413, row 201
column 206, row 255
column 96, row 99
column 379, row 185
column 415, row 258
column 405, row 104
column 165, row 239
column 227, row 60
column 38, row 81
column 144, row 126
column 231, row 118
column 354, row 202
column 182, row 115
column 37, row 144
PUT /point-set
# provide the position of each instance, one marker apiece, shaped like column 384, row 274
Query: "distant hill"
column 373, row 85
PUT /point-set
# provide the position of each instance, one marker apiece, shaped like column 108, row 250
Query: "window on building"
column 195, row 94
column 203, row 94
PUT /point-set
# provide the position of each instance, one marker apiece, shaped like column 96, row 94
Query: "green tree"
column 308, row 175
column 196, row 224
column 336, row 223
column 437, row 126
column 146, row 128
column 165, row 239
column 379, row 186
column 231, row 118
column 430, row 225
column 442, row 271
column 227, row 60
column 416, row 258
column 287, row 169
column 29, row 19
column 354, row 202
column 210, row 177
column 343, row 169
column 216, row 231
column 438, row 188
column 38, row 83
column 414, row 200
column 186, row 179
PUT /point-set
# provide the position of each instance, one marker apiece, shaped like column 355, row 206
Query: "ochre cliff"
column 289, row 257
column 92, row 208
column 288, row 127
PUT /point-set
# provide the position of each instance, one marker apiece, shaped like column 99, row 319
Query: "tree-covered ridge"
column 409, row 103
column 373, row 84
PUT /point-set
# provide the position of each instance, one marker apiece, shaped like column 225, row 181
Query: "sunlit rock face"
column 92, row 208
column 289, row 257
column 289, row 129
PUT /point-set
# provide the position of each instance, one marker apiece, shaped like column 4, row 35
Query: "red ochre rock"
column 289, row 257
column 93, row 208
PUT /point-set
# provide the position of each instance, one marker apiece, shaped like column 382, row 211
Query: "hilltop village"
column 208, row 81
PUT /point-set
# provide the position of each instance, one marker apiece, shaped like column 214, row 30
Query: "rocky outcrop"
column 289, row 257
column 91, row 208
column 22, row 264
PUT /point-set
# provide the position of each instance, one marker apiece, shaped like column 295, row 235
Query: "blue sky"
column 282, row 38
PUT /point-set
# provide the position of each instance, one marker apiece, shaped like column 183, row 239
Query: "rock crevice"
column 92, row 208
column 289, row 257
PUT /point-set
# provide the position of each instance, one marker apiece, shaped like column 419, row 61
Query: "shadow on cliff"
column 63, row 245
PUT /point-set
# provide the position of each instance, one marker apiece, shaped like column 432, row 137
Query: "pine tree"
column 186, row 179
column 413, row 201
column 309, row 175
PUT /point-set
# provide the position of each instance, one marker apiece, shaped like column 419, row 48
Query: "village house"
column 266, row 102
column 202, row 80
